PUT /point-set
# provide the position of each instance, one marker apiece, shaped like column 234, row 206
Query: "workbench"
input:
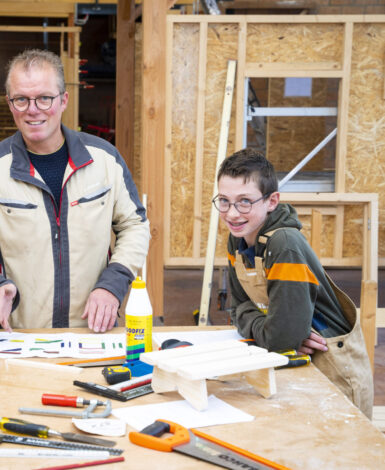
column 308, row 424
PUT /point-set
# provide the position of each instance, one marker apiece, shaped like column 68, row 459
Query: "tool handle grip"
column 297, row 361
column 157, row 429
column 59, row 400
column 19, row 426
column 150, row 436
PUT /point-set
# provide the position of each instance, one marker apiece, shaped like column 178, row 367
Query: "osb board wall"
column 294, row 43
column 269, row 43
column 221, row 46
column 184, row 105
column 365, row 169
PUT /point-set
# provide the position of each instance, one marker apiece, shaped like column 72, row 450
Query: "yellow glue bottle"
column 138, row 321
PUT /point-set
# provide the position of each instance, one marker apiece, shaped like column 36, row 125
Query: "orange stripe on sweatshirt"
column 291, row 272
column 231, row 258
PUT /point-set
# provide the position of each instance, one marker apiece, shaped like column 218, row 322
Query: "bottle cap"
column 138, row 283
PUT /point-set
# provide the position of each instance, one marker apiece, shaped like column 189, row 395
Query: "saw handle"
column 59, row 400
column 150, row 436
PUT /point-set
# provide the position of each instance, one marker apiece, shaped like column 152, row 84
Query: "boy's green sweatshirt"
column 295, row 306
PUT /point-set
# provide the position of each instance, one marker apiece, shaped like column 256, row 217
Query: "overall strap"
column 264, row 238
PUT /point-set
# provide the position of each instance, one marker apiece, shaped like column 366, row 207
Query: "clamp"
column 71, row 401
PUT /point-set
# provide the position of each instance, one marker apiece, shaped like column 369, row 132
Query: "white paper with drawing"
column 86, row 346
column 91, row 346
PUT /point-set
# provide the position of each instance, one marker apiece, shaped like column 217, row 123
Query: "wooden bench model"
column 186, row 369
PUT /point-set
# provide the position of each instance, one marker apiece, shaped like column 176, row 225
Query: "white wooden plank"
column 163, row 381
column 263, row 380
column 214, row 215
column 172, row 364
column 200, row 371
column 152, row 358
column 194, row 391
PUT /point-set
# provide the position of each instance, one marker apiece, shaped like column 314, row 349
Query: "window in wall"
column 289, row 119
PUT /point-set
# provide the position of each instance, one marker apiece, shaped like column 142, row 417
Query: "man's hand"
column 102, row 310
column 312, row 344
column 7, row 294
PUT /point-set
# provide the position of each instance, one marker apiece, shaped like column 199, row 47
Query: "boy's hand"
column 312, row 344
column 7, row 294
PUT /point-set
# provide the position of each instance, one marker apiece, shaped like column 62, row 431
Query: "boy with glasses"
column 61, row 194
column 280, row 294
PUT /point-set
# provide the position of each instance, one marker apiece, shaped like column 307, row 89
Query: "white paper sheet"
column 85, row 346
column 181, row 412
column 91, row 346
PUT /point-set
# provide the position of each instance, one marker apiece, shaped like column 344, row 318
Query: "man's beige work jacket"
column 57, row 255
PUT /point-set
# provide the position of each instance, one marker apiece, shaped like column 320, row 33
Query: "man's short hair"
column 250, row 165
column 37, row 58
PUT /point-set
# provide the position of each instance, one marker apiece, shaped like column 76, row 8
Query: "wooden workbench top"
column 308, row 424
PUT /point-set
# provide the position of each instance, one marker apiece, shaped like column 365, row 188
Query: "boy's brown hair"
column 251, row 165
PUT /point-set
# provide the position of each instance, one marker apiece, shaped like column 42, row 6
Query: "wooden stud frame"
column 326, row 203
column 369, row 203
column 246, row 70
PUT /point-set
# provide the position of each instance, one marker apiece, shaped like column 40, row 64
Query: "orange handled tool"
column 65, row 400
column 201, row 446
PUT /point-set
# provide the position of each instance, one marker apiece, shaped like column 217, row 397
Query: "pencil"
column 86, row 464
column 85, row 361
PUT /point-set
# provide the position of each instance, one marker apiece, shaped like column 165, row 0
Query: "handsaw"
column 200, row 446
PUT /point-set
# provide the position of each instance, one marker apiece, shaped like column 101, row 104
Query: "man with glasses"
column 280, row 295
column 61, row 193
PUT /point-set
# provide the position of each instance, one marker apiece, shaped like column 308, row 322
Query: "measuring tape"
column 116, row 374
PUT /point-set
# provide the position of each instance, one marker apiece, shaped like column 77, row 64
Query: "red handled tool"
column 66, row 400
column 199, row 445
column 72, row 402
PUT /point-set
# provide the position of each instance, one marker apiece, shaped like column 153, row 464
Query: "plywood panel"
column 185, row 56
column 294, row 43
column 366, row 126
column 222, row 45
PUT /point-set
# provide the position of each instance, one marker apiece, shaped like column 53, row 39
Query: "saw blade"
column 36, row 441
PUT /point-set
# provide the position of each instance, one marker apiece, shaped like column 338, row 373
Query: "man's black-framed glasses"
column 43, row 102
column 243, row 206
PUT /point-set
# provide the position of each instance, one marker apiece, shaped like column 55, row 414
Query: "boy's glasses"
column 21, row 103
column 244, row 206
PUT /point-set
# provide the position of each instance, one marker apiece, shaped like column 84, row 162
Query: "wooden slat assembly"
column 186, row 369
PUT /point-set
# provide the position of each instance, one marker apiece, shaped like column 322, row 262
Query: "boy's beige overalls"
column 346, row 362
